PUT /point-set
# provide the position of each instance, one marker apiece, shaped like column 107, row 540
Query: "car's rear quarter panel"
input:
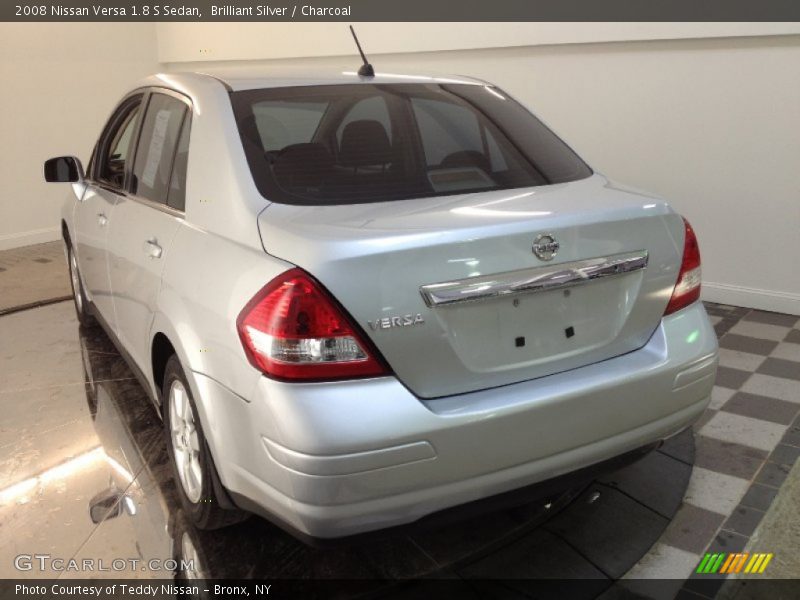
column 216, row 261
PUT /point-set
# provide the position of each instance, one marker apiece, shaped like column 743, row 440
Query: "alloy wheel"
column 185, row 442
column 189, row 554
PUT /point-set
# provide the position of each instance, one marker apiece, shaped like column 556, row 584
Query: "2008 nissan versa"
column 361, row 300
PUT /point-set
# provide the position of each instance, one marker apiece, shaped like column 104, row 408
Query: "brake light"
column 687, row 288
column 294, row 330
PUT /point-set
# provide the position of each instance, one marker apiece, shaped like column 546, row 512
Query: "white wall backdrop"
column 709, row 121
column 178, row 42
column 705, row 114
column 60, row 82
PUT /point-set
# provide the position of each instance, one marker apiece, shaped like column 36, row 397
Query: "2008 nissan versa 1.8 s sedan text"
column 358, row 301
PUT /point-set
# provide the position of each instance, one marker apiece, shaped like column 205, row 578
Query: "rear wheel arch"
column 213, row 508
column 160, row 351
column 165, row 344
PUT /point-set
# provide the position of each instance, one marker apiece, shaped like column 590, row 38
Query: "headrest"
column 365, row 143
column 302, row 165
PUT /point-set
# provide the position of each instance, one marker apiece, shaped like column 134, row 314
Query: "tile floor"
column 43, row 270
column 745, row 445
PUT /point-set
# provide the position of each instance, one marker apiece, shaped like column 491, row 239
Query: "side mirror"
column 63, row 169
column 109, row 504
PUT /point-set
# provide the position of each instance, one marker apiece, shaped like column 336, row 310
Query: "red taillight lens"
column 687, row 288
column 294, row 330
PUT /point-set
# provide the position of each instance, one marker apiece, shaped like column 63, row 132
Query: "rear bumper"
column 337, row 459
column 557, row 491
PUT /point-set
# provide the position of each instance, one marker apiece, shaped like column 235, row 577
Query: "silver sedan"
column 358, row 301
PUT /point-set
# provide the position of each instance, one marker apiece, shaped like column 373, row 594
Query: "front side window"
column 116, row 144
column 156, row 150
column 354, row 143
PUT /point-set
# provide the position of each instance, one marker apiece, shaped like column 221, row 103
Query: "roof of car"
column 248, row 78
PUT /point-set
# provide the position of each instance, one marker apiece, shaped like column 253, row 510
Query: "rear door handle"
column 102, row 219
column 152, row 249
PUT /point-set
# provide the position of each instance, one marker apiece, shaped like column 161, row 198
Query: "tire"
column 85, row 318
column 192, row 465
column 191, row 558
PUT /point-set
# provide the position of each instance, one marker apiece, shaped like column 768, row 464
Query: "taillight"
column 294, row 330
column 687, row 288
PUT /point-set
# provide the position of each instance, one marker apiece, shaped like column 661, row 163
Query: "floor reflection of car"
column 141, row 491
column 138, row 490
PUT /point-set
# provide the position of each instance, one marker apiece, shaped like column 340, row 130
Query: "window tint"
column 370, row 109
column 177, row 185
column 460, row 149
column 158, row 141
column 115, row 144
column 446, row 128
column 379, row 142
column 280, row 124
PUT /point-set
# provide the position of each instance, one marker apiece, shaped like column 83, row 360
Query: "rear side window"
column 177, row 183
column 156, row 151
column 279, row 124
column 346, row 144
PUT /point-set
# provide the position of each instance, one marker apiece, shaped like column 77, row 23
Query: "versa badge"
column 392, row 322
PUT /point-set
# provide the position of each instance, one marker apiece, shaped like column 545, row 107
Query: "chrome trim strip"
column 162, row 206
column 537, row 279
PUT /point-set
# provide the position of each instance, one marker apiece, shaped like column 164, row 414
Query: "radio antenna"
column 366, row 69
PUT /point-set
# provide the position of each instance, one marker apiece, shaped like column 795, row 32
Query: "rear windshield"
column 356, row 143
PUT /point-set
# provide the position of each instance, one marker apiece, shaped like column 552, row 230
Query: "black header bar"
column 402, row 10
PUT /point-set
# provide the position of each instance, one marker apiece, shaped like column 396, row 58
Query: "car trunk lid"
column 453, row 295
